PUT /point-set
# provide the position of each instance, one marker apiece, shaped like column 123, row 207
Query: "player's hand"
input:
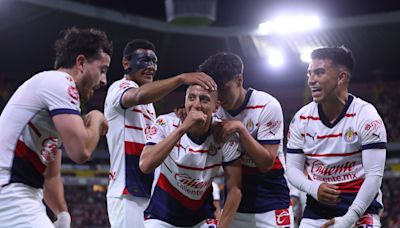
column 63, row 220
column 180, row 112
column 345, row 221
column 225, row 128
column 328, row 193
column 199, row 78
column 97, row 117
column 194, row 117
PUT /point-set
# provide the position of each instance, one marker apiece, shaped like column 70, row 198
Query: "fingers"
column 328, row 193
column 201, row 79
column 328, row 224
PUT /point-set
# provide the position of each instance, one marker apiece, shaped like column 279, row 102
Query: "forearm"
column 262, row 157
column 152, row 156
column 54, row 194
column 296, row 176
column 151, row 92
column 232, row 202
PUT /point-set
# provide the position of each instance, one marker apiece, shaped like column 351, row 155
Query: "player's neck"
column 200, row 130
column 241, row 99
column 333, row 107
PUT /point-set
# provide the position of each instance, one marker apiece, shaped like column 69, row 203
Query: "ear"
column 239, row 80
column 80, row 62
column 125, row 63
column 217, row 104
column 343, row 77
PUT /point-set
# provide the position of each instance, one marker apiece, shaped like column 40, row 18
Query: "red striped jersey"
column 262, row 115
column 28, row 138
column 333, row 150
column 126, row 139
column 183, row 193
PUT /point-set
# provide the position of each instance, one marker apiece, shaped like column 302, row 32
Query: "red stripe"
column 254, row 170
column 329, row 136
column 165, row 185
column 175, row 125
column 333, row 155
column 151, row 113
column 255, row 107
column 133, row 148
column 134, row 127
column 350, row 115
column 198, row 151
column 309, row 117
column 196, row 168
column 33, row 127
column 26, row 153
column 140, row 111
column 353, row 186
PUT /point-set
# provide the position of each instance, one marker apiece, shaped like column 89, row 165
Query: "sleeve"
column 372, row 129
column 270, row 130
column 158, row 131
column 295, row 140
column 119, row 91
column 60, row 95
column 231, row 150
column 215, row 193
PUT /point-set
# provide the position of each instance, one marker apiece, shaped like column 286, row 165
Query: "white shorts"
column 278, row 218
column 126, row 211
column 367, row 221
column 155, row 223
column 21, row 206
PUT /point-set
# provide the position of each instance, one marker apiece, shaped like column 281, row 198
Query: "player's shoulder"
column 261, row 96
column 360, row 104
column 53, row 76
column 307, row 111
column 168, row 119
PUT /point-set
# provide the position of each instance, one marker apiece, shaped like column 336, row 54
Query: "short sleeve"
column 118, row 91
column 60, row 95
column 158, row 131
column 372, row 129
column 270, row 129
column 231, row 150
column 295, row 140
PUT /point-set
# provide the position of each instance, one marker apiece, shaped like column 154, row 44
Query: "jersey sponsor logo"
column 373, row 125
column 73, row 94
column 335, row 173
column 282, row 217
column 192, row 186
column 350, row 136
column 124, row 85
column 49, row 149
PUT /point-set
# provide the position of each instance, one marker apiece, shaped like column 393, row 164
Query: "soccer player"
column 257, row 117
column 341, row 141
column 130, row 112
column 189, row 159
column 43, row 114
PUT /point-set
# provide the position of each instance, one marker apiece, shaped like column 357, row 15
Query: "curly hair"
column 88, row 42
column 222, row 67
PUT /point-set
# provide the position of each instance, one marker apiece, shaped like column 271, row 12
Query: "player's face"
column 229, row 94
column 94, row 76
column 143, row 66
column 200, row 99
column 323, row 80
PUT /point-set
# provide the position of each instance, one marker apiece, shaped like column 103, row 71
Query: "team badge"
column 250, row 125
column 161, row 122
column 282, row 217
column 350, row 136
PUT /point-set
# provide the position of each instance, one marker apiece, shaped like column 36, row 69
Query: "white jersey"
column 28, row 138
column 262, row 115
column 183, row 193
column 126, row 139
column 333, row 150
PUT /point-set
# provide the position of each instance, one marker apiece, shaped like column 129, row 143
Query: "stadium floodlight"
column 305, row 55
column 275, row 58
column 289, row 24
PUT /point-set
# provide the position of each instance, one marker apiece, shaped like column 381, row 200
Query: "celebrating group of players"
column 162, row 167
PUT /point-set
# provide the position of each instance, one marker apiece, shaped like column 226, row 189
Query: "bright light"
column 275, row 58
column 305, row 55
column 289, row 24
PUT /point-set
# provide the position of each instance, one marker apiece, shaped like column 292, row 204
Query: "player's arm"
column 151, row 92
column 153, row 155
column 54, row 193
column 233, row 180
column 79, row 138
column 374, row 165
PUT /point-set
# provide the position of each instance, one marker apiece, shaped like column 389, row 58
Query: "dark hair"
column 340, row 56
column 88, row 42
column 135, row 44
column 222, row 66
